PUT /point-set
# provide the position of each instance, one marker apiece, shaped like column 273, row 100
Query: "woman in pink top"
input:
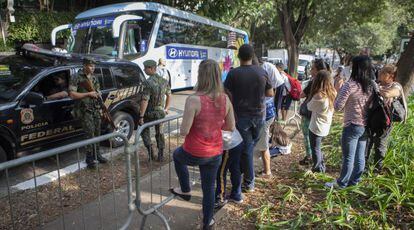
column 353, row 99
column 206, row 113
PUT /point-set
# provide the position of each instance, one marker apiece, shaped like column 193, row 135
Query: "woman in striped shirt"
column 353, row 99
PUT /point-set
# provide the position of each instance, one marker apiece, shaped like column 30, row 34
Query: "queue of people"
column 224, row 123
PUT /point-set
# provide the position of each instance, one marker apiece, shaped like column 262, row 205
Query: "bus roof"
column 132, row 6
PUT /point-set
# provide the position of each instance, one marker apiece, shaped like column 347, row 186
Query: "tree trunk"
column 293, row 55
column 289, row 38
column 405, row 70
column 293, row 31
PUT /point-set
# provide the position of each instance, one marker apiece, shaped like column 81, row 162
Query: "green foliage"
column 37, row 26
column 383, row 201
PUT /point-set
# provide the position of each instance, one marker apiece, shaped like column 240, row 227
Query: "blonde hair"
column 322, row 83
column 389, row 69
column 209, row 79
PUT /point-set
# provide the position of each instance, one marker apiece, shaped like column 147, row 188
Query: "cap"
column 88, row 60
column 150, row 63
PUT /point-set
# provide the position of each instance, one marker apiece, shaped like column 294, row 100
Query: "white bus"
column 142, row 30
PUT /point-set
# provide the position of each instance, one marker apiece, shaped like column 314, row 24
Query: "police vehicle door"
column 47, row 118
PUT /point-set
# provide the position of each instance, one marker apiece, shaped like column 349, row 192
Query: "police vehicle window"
column 107, row 81
column 53, row 86
column 126, row 76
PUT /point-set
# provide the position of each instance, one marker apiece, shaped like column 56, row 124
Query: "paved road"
column 26, row 172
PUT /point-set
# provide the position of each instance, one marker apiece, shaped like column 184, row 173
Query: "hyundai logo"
column 172, row 52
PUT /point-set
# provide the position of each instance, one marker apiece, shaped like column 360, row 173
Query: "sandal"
column 183, row 196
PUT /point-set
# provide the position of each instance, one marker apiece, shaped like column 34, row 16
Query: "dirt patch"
column 33, row 208
column 269, row 192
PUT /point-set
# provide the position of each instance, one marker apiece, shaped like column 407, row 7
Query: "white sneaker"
column 236, row 201
column 332, row 184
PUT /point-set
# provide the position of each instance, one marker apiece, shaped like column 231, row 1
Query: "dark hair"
column 320, row 64
column 361, row 72
column 280, row 65
column 246, row 52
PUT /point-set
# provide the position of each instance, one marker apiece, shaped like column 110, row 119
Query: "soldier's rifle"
column 87, row 84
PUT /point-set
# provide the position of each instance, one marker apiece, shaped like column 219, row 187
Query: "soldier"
column 87, row 109
column 154, row 105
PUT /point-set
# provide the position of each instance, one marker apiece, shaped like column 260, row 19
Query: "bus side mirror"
column 57, row 29
column 116, row 25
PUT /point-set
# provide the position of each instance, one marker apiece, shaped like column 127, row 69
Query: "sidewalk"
column 181, row 214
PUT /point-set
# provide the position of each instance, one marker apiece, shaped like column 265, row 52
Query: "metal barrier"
column 153, row 209
column 295, row 117
column 18, row 218
column 18, row 213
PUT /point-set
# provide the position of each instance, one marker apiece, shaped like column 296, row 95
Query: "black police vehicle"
column 35, row 116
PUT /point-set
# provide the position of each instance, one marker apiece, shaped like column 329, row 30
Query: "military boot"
column 160, row 155
column 90, row 160
column 151, row 151
column 101, row 159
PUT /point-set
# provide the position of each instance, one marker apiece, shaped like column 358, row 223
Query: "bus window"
column 138, row 34
column 95, row 35
column 177, row 30
column 133, row 40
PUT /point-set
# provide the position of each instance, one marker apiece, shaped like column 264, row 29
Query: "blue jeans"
column 354, row 141
column 317, row 155
column 231, row 162
column 208, row 171
column 249, row 129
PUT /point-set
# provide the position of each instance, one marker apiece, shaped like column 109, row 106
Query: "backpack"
column 295, row 88
column 379, row 119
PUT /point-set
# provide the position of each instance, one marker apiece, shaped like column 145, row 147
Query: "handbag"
column 397, row 110
column 231, row 139
column 304, row 111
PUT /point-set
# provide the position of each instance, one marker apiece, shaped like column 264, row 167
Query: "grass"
column 383, row 201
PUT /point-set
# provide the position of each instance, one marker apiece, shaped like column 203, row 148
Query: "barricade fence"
column 52, row 190
column 293, row 115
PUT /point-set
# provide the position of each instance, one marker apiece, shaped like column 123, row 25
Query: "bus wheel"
column 125, row 125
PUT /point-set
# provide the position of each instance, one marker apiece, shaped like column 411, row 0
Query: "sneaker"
column 266, row 176
column 211, row 225
column 236, row 201
column 306, row 160
column 248, row 190
column 220, row 203
column 332, row 184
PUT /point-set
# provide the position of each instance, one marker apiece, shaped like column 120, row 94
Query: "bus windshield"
column 94, row 36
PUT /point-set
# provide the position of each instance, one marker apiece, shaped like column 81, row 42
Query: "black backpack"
column 379, row 119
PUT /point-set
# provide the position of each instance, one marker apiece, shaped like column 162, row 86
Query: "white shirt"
column 275, row 78
column 163, row 72
column 288, row 87
column 321, row 119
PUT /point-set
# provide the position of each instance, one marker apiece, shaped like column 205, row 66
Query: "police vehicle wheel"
column 3, row 158
column 125, row 125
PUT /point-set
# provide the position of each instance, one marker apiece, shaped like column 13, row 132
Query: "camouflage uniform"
column 88, row 111
column 155, row 90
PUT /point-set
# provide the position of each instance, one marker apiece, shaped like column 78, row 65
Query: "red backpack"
column 295, row 88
